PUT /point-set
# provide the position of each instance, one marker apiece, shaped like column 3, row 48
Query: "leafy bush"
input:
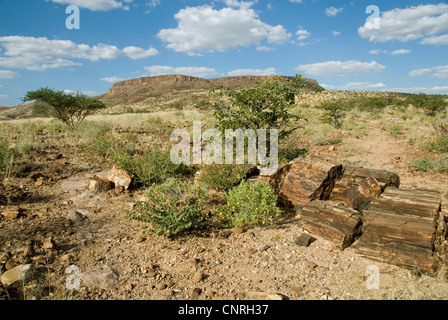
column 439, row 164
column 249, row 204
column 395, row 129
column 431, row 104
column 153, row 166
column 172, row 208
column 372, row 104
column 266, row 106
column 440, row 144
column 334, row 112
column 6, row 157
column 223, row 176
column 97, row 139
column 70, row 108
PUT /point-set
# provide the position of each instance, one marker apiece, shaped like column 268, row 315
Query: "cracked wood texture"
column 309, row 179
column 353, row 176
column 403, row 227
column 335, row 222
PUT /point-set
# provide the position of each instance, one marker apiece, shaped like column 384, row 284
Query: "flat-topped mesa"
column 171, row 82
column 182, row 82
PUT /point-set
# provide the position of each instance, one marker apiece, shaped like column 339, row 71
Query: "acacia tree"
column 70, row 108
column 266, row 106
column 334, row 112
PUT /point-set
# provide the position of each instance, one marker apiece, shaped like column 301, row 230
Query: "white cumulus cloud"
column 359, row 86
column 112, row 79
column 339, row 68
column 333, row 12
column 136, row 53
column 408, row 24
column 201, row 72
column 204, row 28
column 436, row 41
column 41, row 54
column 252, row 72
column 96, row 5
column 440, row 72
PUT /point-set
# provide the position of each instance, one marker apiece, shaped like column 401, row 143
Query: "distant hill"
column 161, row 92
column 176, row 91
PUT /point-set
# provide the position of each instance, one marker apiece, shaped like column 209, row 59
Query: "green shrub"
column 6, row 157
column 395, row 129
column 438, row 145
column 71, row 109
column 431, row 104
column 223, row 176
column 249, row 204
column 334, row 112
column 172, row 208
column 426, row 164
column 372, row 104
column 153, row 166
column 97, row 139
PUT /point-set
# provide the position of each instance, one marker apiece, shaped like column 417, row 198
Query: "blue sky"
column 331, row 41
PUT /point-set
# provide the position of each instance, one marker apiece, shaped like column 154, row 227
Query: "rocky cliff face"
column 181, row 83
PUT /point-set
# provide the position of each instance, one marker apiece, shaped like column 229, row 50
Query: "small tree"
column 431, row 104
column 70, row 108
column 266, row 106
column 334, row 112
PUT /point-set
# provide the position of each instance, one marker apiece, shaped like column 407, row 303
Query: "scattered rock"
column 48, row 243
column 19, row 273
column 98, row 185
column 11, row 214
column 264, row 296
column 77, row 218
column 119, row 177
column 209, row 293
column 305, row 240
column 104, row 278
column 140, row 239
column 161, row 286
column 237, row 230
column 263, row 247
column 310, row 266
column 198, row 277
column 39, row 182
column 10, row 265
column 196, row 292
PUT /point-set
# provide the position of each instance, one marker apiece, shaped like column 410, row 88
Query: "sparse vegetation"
column 172, row 208
column 70, row 108
column 152, row 166
column 223, row 176
column 430, row 104
column 267, row 106
column 439, row 164
column 249, row 204
column 334, row 112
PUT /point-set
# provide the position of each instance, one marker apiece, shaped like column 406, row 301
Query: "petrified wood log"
column 361, row 195
column 398, row 239
column 335, row 222
column 353, row 176
column 309, row 179
column 272, row 177
column 419, row 203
